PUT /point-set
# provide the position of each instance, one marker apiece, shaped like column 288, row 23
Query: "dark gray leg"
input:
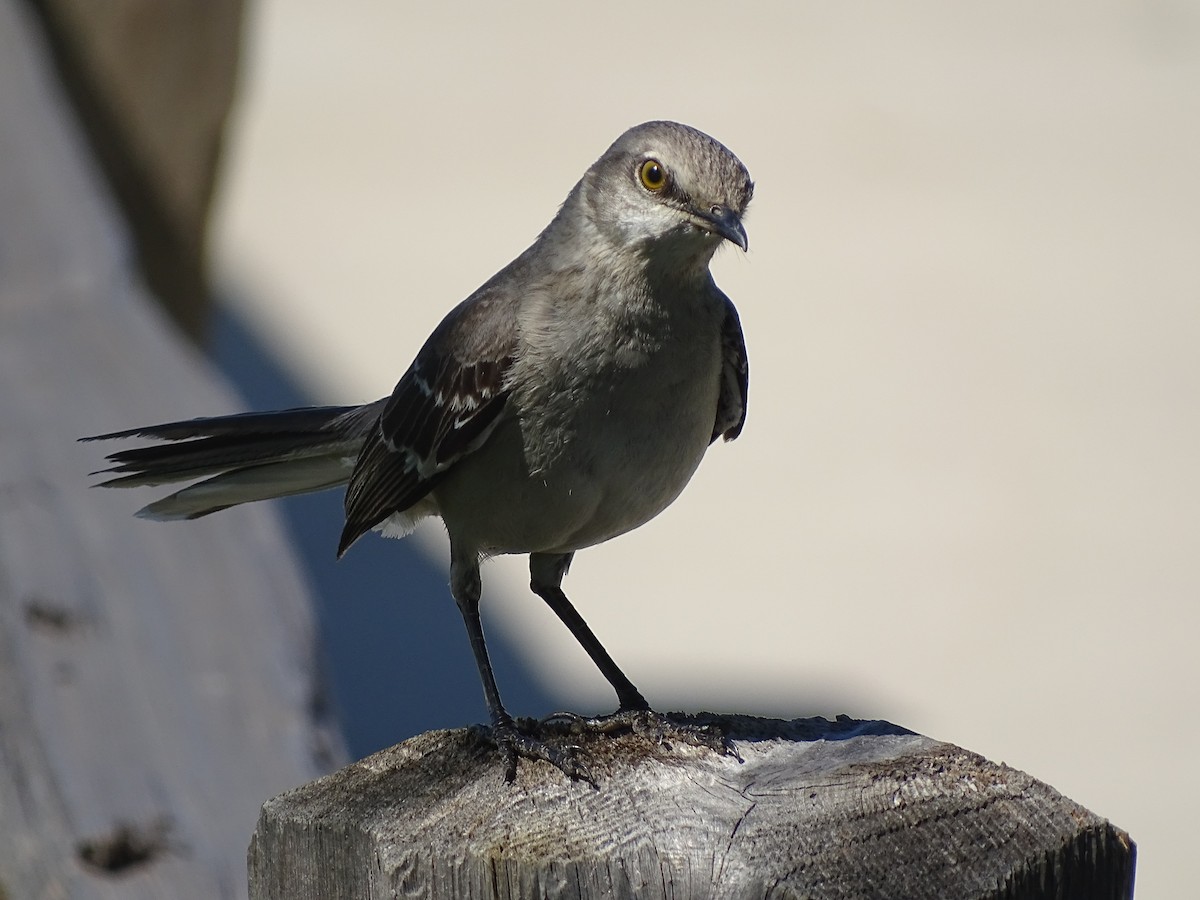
column 634, row 715
column 546, row 573
column 465, row 586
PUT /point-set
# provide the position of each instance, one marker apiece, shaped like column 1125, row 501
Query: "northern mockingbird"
column 567, row 401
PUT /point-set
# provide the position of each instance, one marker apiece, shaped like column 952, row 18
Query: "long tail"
column 242, row 458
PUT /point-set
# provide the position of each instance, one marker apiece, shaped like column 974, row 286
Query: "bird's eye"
column 653, row 175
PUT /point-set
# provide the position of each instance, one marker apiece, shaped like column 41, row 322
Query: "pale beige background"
column 967, row 495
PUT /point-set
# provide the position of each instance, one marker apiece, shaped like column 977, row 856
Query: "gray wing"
column 735, row 378
column 445, row 406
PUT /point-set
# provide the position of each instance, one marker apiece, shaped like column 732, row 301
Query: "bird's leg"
column 546, row 573
column 465, row 586
column 634, row 713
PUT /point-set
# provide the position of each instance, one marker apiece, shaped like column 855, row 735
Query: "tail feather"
column 246, row 485
column 302, row 419
column 241, row 458
column 163, row 464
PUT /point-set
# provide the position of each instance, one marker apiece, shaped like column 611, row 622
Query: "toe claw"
column 515, row 744
column 526, row 738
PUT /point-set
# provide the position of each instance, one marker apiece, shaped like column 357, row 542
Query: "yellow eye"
column 653, row 175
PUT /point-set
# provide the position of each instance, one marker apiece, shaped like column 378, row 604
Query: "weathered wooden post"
column 814, row 809
column 152, row 691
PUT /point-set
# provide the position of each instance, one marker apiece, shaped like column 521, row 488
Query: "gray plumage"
column 567, row 401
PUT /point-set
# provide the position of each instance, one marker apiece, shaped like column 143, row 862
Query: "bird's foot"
column 515, row 742
column 662, row 728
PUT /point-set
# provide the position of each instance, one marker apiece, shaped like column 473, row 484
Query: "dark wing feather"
column 444, row 407
column 735, row 378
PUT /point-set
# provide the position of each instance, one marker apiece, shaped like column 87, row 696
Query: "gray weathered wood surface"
column 151, row 83
column 155, row 686
column 817, row 809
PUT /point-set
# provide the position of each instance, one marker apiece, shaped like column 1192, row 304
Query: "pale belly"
column 606, row 466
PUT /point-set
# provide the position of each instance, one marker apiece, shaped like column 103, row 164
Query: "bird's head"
column 665, row 189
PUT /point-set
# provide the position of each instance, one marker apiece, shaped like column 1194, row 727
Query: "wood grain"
column 813, row 809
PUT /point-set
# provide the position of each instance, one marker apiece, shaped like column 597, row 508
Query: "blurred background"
column 966, row 499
